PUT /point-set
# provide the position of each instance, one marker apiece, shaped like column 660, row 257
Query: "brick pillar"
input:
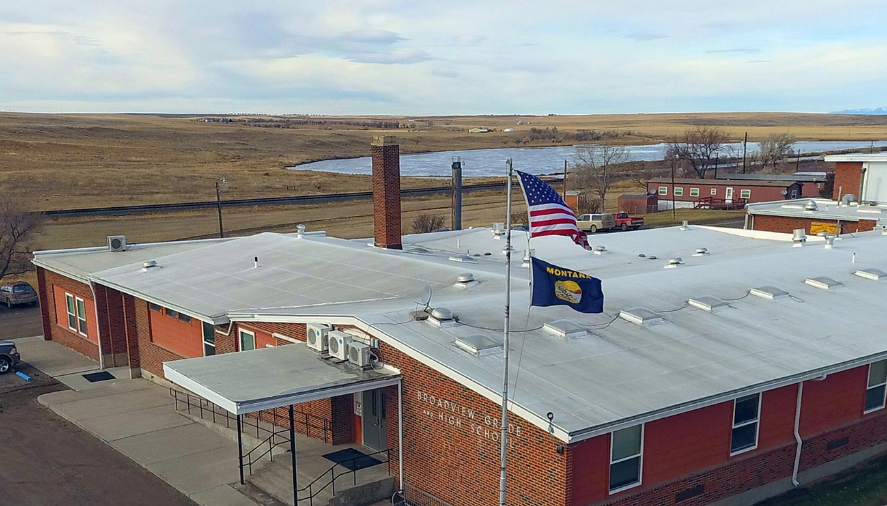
column 45, row 307
column 848, row 177
column 386, row 192
column 113, row 303
column 132, row 336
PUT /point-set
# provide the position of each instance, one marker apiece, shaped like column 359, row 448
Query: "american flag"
column 548, row 213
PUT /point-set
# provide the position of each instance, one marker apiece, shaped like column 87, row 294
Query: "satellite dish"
column 426, row 297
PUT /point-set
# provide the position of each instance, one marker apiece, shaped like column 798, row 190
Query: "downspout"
column 795, row 481
column 861, row 183
column 400, row 431
column 98, row 331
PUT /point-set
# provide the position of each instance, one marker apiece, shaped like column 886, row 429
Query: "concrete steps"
column 373, row 485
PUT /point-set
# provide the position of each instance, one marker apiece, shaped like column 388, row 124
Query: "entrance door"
column 729, row 197
column 375, row 423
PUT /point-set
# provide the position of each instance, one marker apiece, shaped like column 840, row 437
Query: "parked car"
column 9, row 356
column 594, row 222
column 625, row 222
column 16, row 293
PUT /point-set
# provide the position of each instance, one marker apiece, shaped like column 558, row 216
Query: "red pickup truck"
column 624, row 221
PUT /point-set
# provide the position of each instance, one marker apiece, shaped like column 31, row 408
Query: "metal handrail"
column 333, row 476
column 250, row 460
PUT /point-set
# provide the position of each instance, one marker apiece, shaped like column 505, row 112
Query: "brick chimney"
column 386, row 192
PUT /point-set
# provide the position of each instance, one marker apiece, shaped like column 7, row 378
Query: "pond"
column 491, row 162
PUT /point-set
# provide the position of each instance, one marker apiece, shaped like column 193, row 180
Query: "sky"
column 452, row 57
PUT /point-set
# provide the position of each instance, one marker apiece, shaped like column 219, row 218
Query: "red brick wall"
column 833, row 402
column 51, row 286
column 758, row 193
column 847, row 178
column 588, row 470
column 151, row 355
column 787, row 224
column 181, row 338
column 386, row 194
column 112, row 324
column 778, row 417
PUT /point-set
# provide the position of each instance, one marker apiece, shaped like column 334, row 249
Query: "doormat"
column 98, row 376
column 351, row 459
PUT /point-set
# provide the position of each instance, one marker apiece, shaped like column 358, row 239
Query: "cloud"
column 646, row 36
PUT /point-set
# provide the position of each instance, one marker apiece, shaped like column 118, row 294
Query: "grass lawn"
column 863, row 485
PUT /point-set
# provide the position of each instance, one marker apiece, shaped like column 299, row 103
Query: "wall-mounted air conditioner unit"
column 359, row 354
column 339, row 342
column 117, row 242
column 317, row 337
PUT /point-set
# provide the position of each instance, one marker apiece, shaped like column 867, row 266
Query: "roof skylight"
column 478, row 345
column 768, row 292
column 823, row 283
column 873, row 274
column 708, row 303
column 566, row 329
column 642, row 316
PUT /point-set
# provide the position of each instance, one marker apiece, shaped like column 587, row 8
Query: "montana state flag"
column 553, row 285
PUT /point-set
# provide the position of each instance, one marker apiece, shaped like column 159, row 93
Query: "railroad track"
column 264, row 201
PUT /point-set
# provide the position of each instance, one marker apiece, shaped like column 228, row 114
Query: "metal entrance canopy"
column 269, row 378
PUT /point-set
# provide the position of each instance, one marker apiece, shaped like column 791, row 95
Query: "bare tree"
column 596, row 168
column 425, row 223
column 776, row 148
column 17, row 229
column 698, row 148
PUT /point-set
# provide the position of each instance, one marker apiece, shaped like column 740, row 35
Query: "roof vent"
column 442, row 317
column 463, row 258
column 150, row 264
column 498, row 228
column 799, row 237
column 465, row 280
column 768, row 292
column 685, row 225
column 823, row 283
column 873, row 274
column 641, row 316
column 528, row 254
column 847, row 199
column 811, row 206
column 700, row 252
column 300, row 230
column 478, row 345
column 708, row 303
column 829, row 241
column 674, row 262
column 600, row 250
column 566, row 329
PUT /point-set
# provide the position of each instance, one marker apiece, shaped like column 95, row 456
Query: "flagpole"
column 504, row 436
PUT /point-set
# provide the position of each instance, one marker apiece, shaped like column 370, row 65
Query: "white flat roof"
column 272, row 377
column 857, row 157
column 826, row 209
column 618, row 373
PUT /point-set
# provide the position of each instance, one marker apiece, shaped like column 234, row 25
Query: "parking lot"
column 45, row 459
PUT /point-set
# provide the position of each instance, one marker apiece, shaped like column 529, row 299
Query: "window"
column 678, row 191
column 209, row 339
column 185, row 318
column 745, row 194
column 745, row 424
column 714, row 191
column 694, row 192
column 72, row 315
column 171, row 313
column 247, row 340
column 663, row 190
column 153, row 307
column 81, row 316
column 626, row 451
column 877, row 386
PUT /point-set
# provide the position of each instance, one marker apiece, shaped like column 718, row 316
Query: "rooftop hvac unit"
column 117, row 242
column 339, row 342
column 359, row 354
column 317, row 337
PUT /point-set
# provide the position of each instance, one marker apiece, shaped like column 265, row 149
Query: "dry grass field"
column 67, row 161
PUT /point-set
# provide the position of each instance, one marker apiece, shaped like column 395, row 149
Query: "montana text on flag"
column 547, row 211
column 553, row 285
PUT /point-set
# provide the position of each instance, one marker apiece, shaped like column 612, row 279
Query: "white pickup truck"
column 594, row 222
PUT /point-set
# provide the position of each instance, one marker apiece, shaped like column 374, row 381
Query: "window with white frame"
column 81, row 316
column 877, row 386
column 72, row 312
column 663, row 190
column 694, row 192
column 247, row 340
column 678, row 191
column 626, row 456
column 714, row 191
column 745, row 194
column 745, row 424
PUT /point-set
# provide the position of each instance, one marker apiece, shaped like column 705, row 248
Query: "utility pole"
column 717, row 159
column 744, row 146
column 798, row 162
column 219, row 204
column 673, row 212
column 456, row 200
column 565, row 180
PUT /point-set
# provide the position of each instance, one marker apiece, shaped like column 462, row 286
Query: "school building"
column 728, row 366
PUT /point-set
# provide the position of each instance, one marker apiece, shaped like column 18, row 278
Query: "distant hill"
column 880, row 111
